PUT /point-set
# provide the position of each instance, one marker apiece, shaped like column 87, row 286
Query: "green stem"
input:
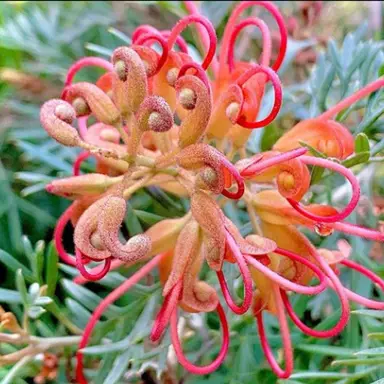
column 9, row 379
column 54, row 309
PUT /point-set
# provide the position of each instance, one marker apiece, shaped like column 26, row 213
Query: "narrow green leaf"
column 147, row 217
column 371, row 352
column 380, row 381
column 370, row 313
column 22, row 288
column 354, row 362
column 14, row 265
column 121, row 35
column 34, row 312
column 326, row 350
column 313, row 150
column 118, row 368
column 87, row 298
column 376, row 335
column 319, row 375
column 359, row 158
column 43, row 300
column 132, row 222
column 38, row 261
column 10, row 297
column 52, row 269
column 361, row 143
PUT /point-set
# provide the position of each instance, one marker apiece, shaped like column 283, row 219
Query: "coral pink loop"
column 200, row 73
column 238, row 178
column 99, row 274
column 106, row 302
column 204, row 37
column 232, row 22
column 64, row 219
column 357, row 230
column 347, row 102
column 261, row 165
column 143, row 29
column 164, row 46
column 373, row 304
column 285, row 283
column 343, row 171
column 340, row 290
column 205, row 370
column 246, row 275
column 77, row 163
column 162, row 318
column 86, row 62
column 115, row 263
column 184, row 22
column 180, row 42
column 271, row 75
column 286, row 339
column 266, row 36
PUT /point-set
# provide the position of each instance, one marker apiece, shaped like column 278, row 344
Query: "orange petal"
column 328, row 137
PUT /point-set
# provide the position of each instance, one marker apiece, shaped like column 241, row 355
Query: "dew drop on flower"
column 323, row 230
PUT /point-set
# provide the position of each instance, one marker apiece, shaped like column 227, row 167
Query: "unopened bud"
column 187, row 98
column 56, row 117
column 171, row 76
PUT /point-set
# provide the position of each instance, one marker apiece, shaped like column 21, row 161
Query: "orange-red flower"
column 162, row 120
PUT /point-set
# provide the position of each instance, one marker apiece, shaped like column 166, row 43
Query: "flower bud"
column 85, row 229
column 154, row 114
column 56, row 116
column 211, row 219
column 97, row 101
column 194, row 96
column 110, row 220
column 130, row 83
column 90, row 184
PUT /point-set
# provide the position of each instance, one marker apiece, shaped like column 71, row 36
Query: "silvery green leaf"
column 34, row 312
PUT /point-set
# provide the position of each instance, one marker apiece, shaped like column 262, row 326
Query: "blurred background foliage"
column 339, row 53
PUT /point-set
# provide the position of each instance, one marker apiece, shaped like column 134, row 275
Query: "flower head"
column 162, row 120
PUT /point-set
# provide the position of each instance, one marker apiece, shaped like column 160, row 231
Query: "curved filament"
column 284, row 330
column 204, row 37
column 200, row 73
column 196, row 370
column 180, row 42
column 285, row 283
column 143, row 29
column 343, row 171
column 260, row 165
column 347, row 102
column 340, row 290
column 373, row 277
column 105, row 303
column 271, row 75
column 86, row 62
column 239, row 310
column 80, row 258
column 232, row 24
column 238, row 178
column 115, row 264
column 266, row 36
column 356, row 230
column 159, row 39
column 64, row 219
column 77, row 163
column 162, row 318
column 183, row 23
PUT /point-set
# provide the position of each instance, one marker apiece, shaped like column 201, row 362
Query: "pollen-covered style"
column 162, row 119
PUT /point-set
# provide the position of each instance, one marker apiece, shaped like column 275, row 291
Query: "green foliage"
column 44, row 39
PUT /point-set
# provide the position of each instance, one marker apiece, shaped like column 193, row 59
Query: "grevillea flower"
column 137, row 142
